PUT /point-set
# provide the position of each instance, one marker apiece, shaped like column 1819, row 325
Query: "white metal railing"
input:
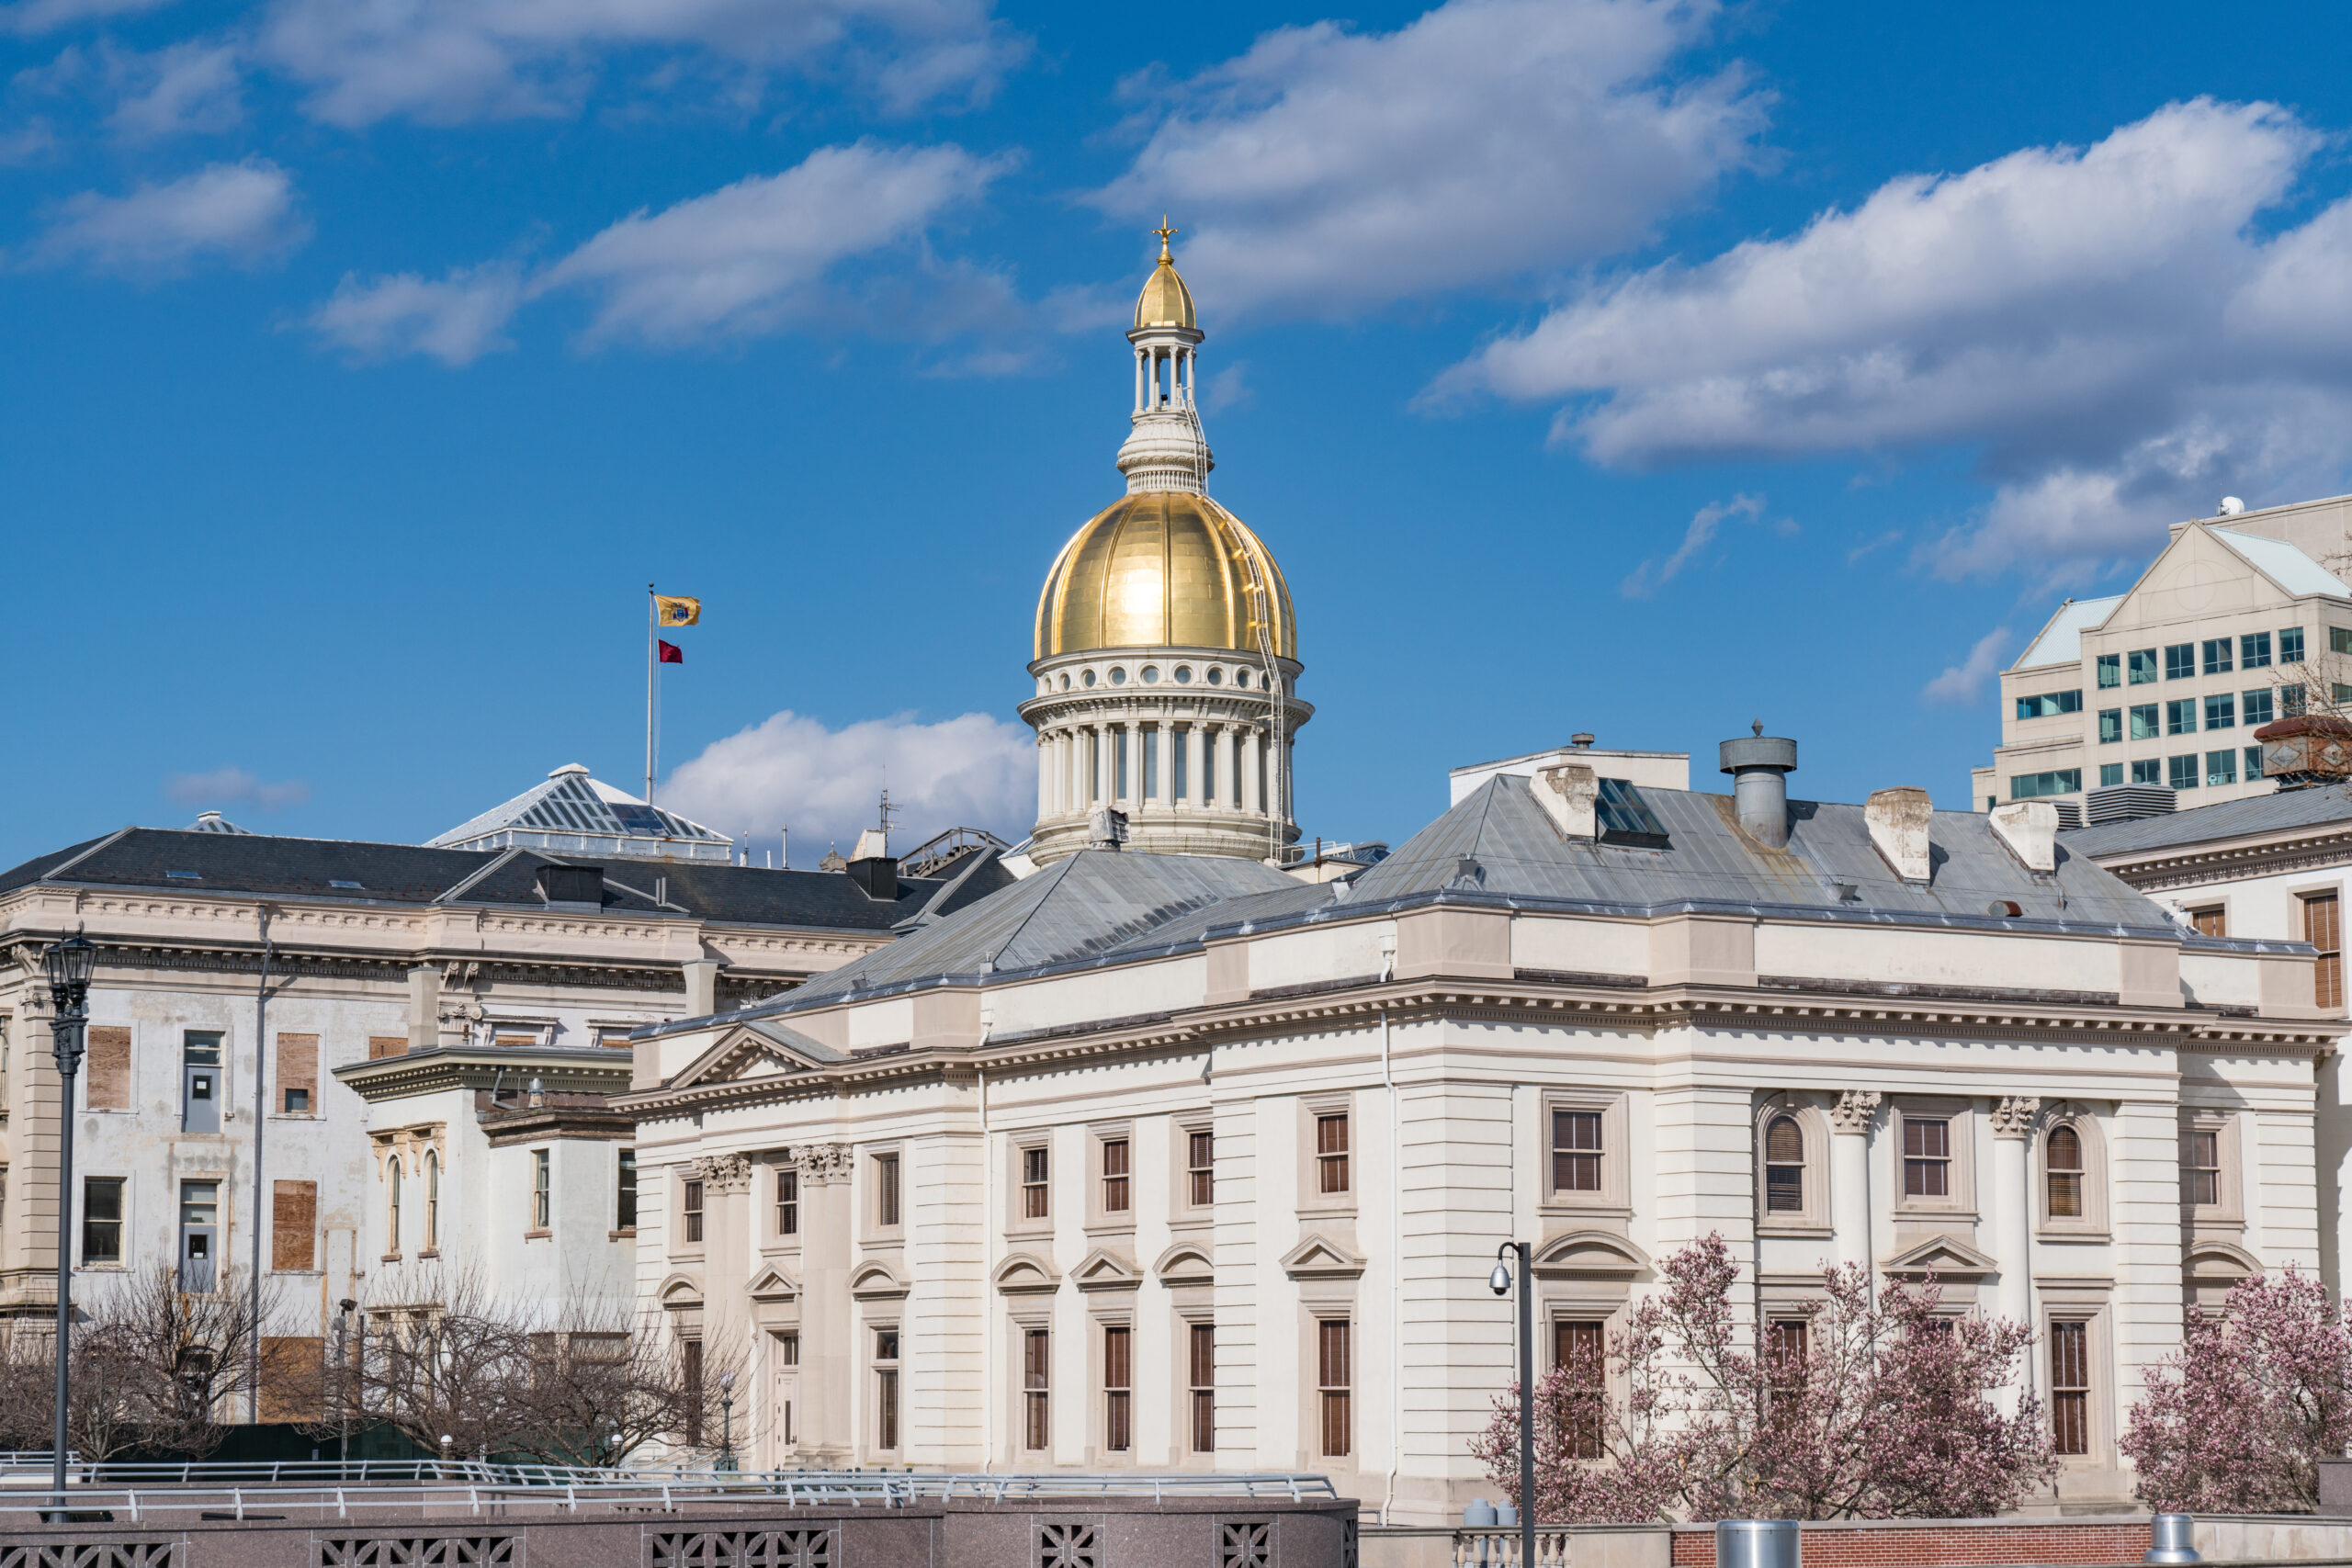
column 473, row 1488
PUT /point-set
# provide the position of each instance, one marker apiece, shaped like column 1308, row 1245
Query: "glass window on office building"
column 2142, row 662
column 2145, row 723
column 2181, row 717
column 2221, row 711
column 2254, row 650
column 2291, row 646
column 2222, row 767
column 2109, row 774
column 2111, row 670
column 2180, row 661
column 2181, row 772
column 2216, row 656
column 2148, row 770
column 2110, row 725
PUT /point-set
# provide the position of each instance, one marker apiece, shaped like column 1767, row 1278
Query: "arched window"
column 1783, row 1167
column 432, row 1199
column 2063, row 1158
column 392, row 1213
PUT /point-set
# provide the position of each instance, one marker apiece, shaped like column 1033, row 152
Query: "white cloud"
column 225, row 787
column 1651, row 575
column 188, row 87
column 455, row 320
column 446, row 61
column 1960, row 682
column 1327, row 171
column 825, row 785
column 242, row 213
column 48, row 16
column 2109, row 326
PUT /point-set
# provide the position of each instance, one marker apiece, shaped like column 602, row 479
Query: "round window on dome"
column 1088, row 677
column 1065, row 682
column 1217, row 677
column 1183, row 674
column 1118, row 675
column 1151, row 674
column 1242, row 678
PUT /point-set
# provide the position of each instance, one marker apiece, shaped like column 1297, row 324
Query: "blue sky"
column 1589, row 364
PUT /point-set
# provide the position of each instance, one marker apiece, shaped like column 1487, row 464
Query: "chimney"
column 873, row 844
column 876, row 876
column 2031, row 829
column 1898, row 820
column 1759, row 767
column 576, row 890
column 1570, row 795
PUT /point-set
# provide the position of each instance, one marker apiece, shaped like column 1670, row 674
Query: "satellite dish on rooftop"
column 2231, row 506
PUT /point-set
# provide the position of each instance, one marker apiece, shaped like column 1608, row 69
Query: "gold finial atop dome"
column 1165, row 301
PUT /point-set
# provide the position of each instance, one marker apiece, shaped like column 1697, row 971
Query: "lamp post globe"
column 69, row 964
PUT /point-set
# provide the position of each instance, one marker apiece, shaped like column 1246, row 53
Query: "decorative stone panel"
column 421, row 1551
column 740, row 1549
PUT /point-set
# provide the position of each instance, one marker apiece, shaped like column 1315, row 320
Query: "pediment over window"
column 1948, row 1258
column 1106, row 1271
column 1317, row 1258
column 1025, row 1274
column 746, row 1052
column 2218, row 1263
column 1590, row 1255
column 680, row 1292
column 1185, row 1263
column 773, row 1284
column 876, row 1280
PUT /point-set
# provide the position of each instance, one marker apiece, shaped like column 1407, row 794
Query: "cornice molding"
column 2159, row 870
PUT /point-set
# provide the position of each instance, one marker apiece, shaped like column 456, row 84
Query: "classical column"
column 829, row 1361
column 1045, row 776
column 1849, row 1173
column 2013, row 1117
column 1139, row 358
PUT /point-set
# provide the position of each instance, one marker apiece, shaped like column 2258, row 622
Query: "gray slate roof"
column 2286, row 809
column 1497, row 847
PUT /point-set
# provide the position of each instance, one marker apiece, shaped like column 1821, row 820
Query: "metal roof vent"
column 1759, row 767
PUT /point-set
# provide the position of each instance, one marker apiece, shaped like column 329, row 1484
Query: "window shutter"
column 294, row 1219
column 108, row 1066
column 298, row 1069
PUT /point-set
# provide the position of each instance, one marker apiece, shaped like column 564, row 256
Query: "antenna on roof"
column 889, row 811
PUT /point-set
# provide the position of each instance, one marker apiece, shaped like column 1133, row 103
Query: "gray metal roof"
column 2287, row 808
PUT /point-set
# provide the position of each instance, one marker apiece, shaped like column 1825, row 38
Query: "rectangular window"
column 690, row 1366
column 2339, row 640
column 298, row 1074
column 2290, row 702
column 693, row 1212
column 542, row 1188
column 2291, row 646
column 2109, row 774
column 2254, row 650
column 2200, row 1167
column 2180, row 661
column 2145, row 723
column 2050, row 704
column 2070, row 1388
column 1036, row 1389
column 1201, row 1381
column 2110, row 725
column 106, row 1071
column 293, row 1225
column 1199, row 1167
column 1034, row 1166
column 1148, row 739
column 101, row 1221
column 2257, row 707
column 2142, row 661
column 1115, row 1176
column 1579, row 1346
column 1926, row 1157
column 886, row 1388
column 1784, row 1353
column 2222, row 767
column 2180, row 772
column 2253, row 763
column 2340, row 693
column 1179, row 754
column 2221, row 711
column 2213, row 921
column 2323, row 929
column 1576, row 1151
column 2148, row 770
column 1334, row 1384
column 787, row 1202
column 1331, row 1154
column 1120, row 750
column 2181, row 717
column 1117, row 1391
column 2216, row 656
column 2111, row 670
column 2060, row 781
column 625, row 1193
column 885, row 1192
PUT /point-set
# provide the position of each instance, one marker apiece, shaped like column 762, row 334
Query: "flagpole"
column 648, row 693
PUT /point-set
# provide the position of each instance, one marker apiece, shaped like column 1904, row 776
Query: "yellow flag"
column 677, row 611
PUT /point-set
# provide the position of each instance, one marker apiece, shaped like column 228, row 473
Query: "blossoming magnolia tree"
column 2238, row 1421
column 1855, row 1407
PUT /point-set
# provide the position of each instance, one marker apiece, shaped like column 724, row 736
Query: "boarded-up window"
column 108, row 1066
column 380, row 1046
column 294, row 1223
column 297, row 1074
column 293, row 1377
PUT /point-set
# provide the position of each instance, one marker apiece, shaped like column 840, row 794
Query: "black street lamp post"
column 727, row 1421
column 1500, row 1282
column 70, row 964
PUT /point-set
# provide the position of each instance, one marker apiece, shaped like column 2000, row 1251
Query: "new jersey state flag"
column 672, row 612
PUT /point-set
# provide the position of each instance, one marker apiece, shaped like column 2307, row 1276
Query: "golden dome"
column 1162, row 569
column 1165, row 301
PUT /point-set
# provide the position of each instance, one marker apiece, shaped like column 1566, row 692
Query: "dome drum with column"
column 1154, row 634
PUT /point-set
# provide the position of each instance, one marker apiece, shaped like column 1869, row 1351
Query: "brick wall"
column 1943, row 1544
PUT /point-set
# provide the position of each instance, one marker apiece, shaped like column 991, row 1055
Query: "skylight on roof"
column 355, row 886
column 187, row 875
column 1625, row 817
